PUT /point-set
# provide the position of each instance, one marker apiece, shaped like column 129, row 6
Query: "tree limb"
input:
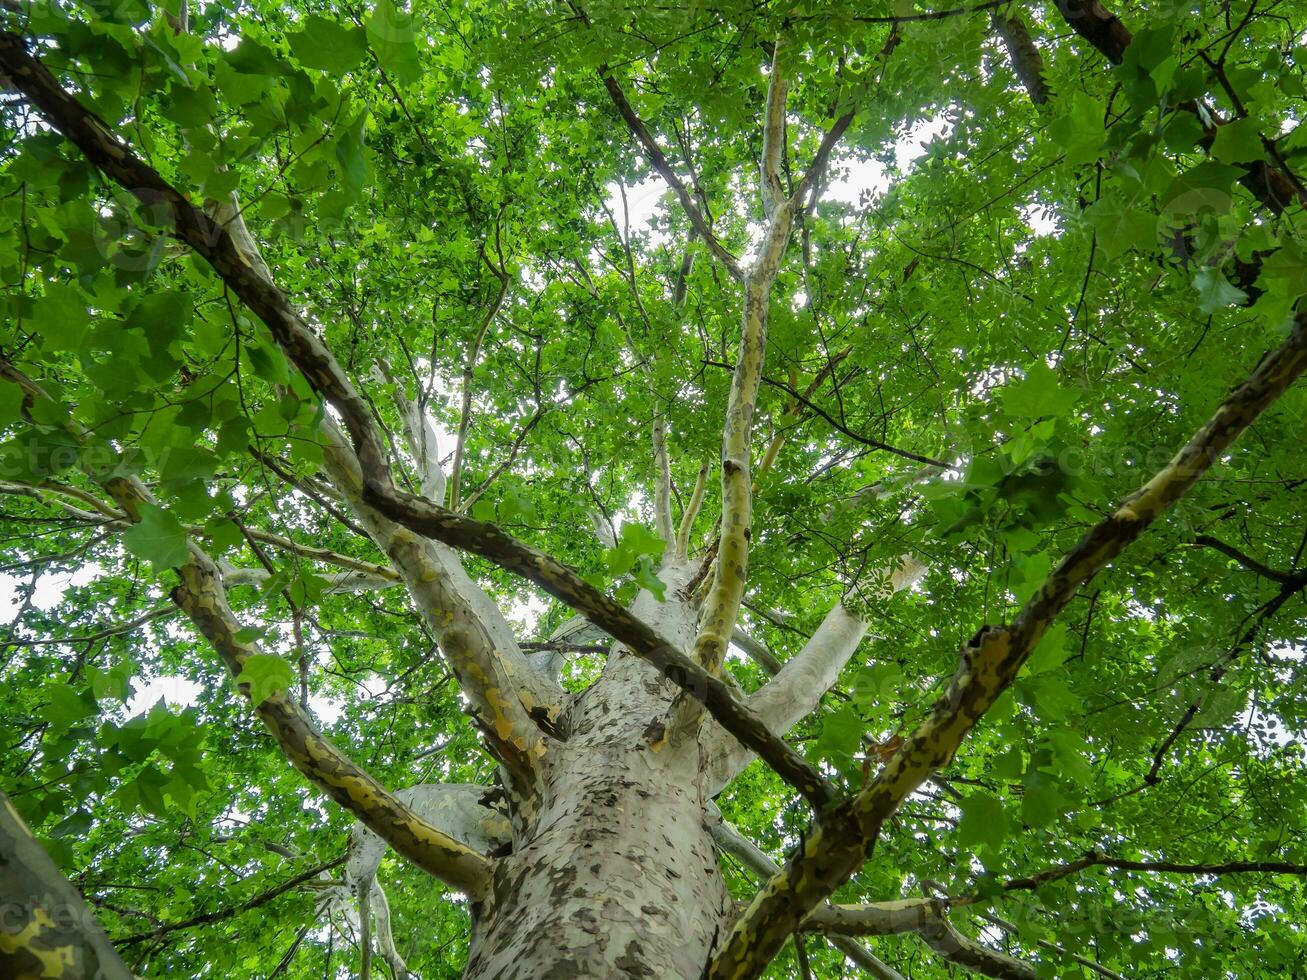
column 842, row 838
column 1275, row 188
column 1027, row 62
column 757, row 651
column 721, row 606
column 212, row 242
column 208, row 918
column 658, row 160
column 792, row 694
column 510, row 698
column 421, row 439
column 465, row 414
column 691, row 512
column 47, row 930
column 752, row 857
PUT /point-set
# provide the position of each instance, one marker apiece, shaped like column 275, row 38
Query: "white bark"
column 234, row 576
column 509, row 696
column 789, row 696
column 796, row 691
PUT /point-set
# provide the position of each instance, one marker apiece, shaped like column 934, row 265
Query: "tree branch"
column 208, row 918
column 691, row 512
column 721, row 606
column 1027, row 62
column 420, row 437
column 773, row 136
column 1247, row 561
column 792, row 694
column 753, row 858
column 510, row 698
column 835, row 423
column 465, row 414
column 658, row 160
column 842, row 838
column 47, row 930
column 757, row 651
column 212, row 242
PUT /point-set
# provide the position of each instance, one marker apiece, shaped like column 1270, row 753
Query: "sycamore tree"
column 689, row 489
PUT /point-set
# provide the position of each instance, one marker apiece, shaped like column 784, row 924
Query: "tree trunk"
column 615, row 873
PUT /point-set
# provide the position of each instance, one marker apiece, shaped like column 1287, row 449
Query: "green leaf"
column 60, row 318
column 1238, row 141
column 1206, row 187
column 1040, row 393
column 329, row 46
column 647, row 578
column 841, row 733
column 158, row 538
column 984, row 822
column 1051, row 651
column 1078, row 132
column 633, row 543
column 349, row 153
column 1215, row 292
column 390, row 34
column 266, row 674
column 66, row 705
column 11, row 403
column 1122, row 226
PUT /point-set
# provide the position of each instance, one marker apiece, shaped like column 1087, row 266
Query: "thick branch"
column 721, row 607
column 773, row 136
column 1101, row 28
column 341, row 582
column 793, row 693
column 1027, row 62
column 752, row 857
column 47, row 930
column 324, row 373
column 842, row 839
column 757, row 651
column 509, row 697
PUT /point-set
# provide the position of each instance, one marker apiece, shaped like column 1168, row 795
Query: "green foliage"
column 1053, row 298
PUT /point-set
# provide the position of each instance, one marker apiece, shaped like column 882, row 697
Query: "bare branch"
column 658, row 160
column 420, row 437
column 208, row 918
column 465, row 413
column 691, row 512
column 773, row 135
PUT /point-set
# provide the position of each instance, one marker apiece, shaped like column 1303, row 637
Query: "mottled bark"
column 46, row 930
column 616, row 875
